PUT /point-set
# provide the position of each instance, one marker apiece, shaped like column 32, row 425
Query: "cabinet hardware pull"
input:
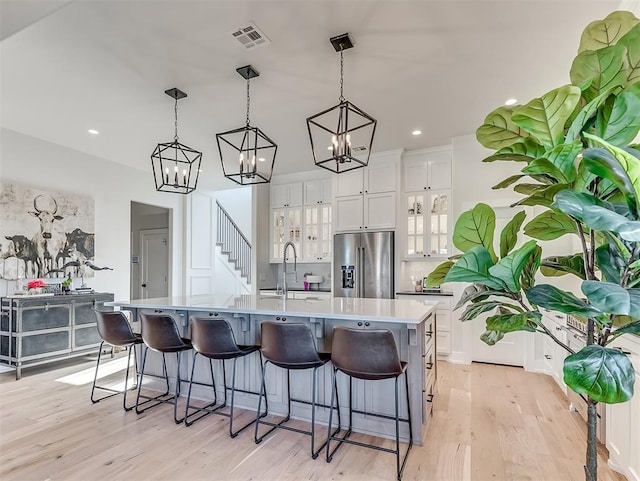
column 558, row 328
column 278, row 318
column 367, row 323
column 359, row 323
column 429, row 398
column 429, row 365
column 428, row 333
column 547, row 356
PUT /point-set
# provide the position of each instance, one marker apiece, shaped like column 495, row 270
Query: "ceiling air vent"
column 250, row 36
column 359, row 148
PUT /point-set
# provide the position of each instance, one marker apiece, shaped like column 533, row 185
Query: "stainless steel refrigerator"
column 363, row 265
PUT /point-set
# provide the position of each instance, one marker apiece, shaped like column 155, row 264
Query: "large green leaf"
column 544, row 118
column 545, row 295
column 631, row 328
column 631, row 40
column 629, row 163
column 474, row 309
column 474, row 266
column 550, row 225
column 436, row 277
column 612, row 298
column 476, row 293
column 475, row 227
column 629, row 231
column 491, row 337
column 509, row 234
column 623, row 121
column 507, row 182
column 498, row 130
column 529, row 189
column 602, row 163
column 525, row 321
column 560, row 265
column 587, row 113
column 544, row 166
column 509, row 268
column 528, row 278
column 523, row 151
column 602, row 33
column 595, row 213
column 601, row 373
column 563, row 157
column 544, row 196
column 609, row 262
column 605, row 68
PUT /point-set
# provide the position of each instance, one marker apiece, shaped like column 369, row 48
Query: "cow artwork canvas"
column 45, row 234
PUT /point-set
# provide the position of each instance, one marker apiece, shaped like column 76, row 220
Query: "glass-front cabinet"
column 286, row 225
column 317, row 241
column 427, row 223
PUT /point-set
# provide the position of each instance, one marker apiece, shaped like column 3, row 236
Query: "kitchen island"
column 412, row 324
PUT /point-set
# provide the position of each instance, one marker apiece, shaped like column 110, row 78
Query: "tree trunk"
column 591, row 469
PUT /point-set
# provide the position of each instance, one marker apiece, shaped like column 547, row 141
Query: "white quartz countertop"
column 381, row 310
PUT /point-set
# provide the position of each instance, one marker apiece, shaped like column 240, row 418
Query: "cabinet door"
column 380, row 211
column 415, row 175
column 279, row 195
column 286, row 225
column 380, row 178
column 327, row 191
column 312, row 192
column 317, row 241
column 439, row 170
column 348, row 213
column 349, row 183
column 415, row 206
column 294, row 192
column 438, row 216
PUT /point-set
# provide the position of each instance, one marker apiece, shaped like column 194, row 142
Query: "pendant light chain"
column 341, row 73
column 175, row 110
column 248, row 102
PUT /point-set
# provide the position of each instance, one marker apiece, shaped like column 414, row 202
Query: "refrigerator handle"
column 361, row 265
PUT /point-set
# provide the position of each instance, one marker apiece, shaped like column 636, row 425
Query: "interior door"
column 510, row 350
column 154, row 263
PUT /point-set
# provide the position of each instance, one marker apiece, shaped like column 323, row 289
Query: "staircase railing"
column 233, row 243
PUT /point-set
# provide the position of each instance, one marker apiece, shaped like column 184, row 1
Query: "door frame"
column 167, row 232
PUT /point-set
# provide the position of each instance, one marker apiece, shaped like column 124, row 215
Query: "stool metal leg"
column 113, row 392
column 148, row 399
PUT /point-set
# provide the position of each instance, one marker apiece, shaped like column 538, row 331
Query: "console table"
column 36, row 330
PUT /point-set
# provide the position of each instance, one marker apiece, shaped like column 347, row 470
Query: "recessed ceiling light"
column 416, row 132
column 511, row 102
column 93, row 131
column 261, row 159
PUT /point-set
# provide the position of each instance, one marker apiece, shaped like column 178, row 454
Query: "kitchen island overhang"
column 412, row 323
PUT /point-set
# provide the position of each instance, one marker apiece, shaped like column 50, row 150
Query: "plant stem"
column 591, row 469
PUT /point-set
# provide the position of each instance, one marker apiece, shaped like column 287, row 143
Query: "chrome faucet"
column 284, row 267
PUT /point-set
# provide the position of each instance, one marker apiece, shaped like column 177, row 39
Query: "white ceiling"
column 440, row 66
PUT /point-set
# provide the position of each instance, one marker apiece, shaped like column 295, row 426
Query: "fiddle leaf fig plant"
column 580, row 165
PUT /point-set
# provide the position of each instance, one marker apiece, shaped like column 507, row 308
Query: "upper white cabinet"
column 427, row 201
column 365, row 199
column 286, row 195
column 317, row 192
column 427, row 169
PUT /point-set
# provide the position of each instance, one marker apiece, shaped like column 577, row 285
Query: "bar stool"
column 114, row 329
column 291, row 346
column 160, row 333
column 213, row 338
column 369, row 354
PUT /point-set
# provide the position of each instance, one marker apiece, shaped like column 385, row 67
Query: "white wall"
column 31, row 161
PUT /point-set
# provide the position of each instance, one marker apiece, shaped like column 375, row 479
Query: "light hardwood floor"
column 491, row 423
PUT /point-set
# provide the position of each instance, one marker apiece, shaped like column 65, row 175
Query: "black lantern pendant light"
column 247, row 154
column 175, row 166
column 341, row 137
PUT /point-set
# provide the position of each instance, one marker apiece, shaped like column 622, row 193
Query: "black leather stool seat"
column 213, row 338
column 291, row 346
column 114, row 329
column 160, row 334
column 371, row 355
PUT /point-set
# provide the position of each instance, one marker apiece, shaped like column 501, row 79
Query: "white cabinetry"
column 286, row 195
column 317, row 191
column 443, row 318
column 427, row 187
column 317, row 242
column 554, row 355
column 286, row 225
column 365, row 199
column 623, row 423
